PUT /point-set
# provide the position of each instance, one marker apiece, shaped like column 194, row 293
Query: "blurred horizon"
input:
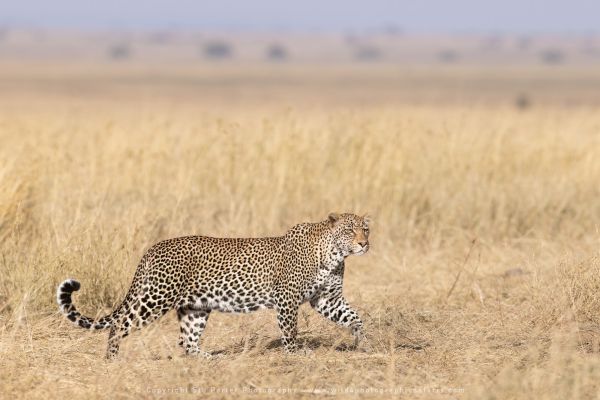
column 426, row 52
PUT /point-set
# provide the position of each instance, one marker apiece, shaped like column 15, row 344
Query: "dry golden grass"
column 482, row 281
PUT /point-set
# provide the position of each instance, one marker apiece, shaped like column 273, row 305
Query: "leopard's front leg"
column 287, row 317
column 337, row 309
column 330, row 303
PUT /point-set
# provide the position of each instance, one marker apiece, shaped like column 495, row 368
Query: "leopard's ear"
column 333, row 218
column 367, row 218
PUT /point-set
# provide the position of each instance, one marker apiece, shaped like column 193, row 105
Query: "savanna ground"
column 484, row 274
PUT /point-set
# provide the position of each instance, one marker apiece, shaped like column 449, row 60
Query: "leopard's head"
column 350, row 233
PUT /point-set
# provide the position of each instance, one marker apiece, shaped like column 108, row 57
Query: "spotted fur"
column 196, row 274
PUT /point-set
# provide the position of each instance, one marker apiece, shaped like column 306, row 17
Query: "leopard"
column 196, row 275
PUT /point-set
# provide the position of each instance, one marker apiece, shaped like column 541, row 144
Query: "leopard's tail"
column 65, row 304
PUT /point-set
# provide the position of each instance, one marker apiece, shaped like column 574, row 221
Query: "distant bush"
column 524, row 43
column 351, row 39
column 120, row 51
column 448, row 56
column 277, row 52
column 590, row 50
column 160, row 37
column 3, row 33
column 368, row 53
column 522, row 101
column 552, row 56
column 392, row 29
column 590, row 46
column 493, row 42
column 218, row 50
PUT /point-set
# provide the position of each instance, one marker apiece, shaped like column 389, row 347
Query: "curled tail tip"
column 65, row 304
column 70, row 285
column 63, row 293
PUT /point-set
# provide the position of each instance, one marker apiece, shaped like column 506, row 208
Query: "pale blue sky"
column 522, row 16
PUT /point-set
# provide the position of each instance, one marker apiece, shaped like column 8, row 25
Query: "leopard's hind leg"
column 137, row 314
column 192, row 322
